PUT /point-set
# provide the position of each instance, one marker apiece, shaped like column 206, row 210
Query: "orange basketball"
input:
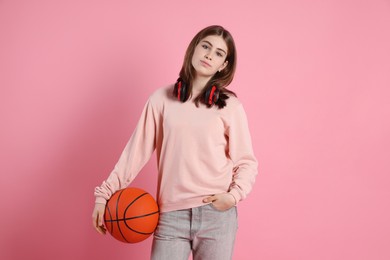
column 131, row 215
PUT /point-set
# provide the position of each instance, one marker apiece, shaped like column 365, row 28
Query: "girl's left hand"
column 222, row 201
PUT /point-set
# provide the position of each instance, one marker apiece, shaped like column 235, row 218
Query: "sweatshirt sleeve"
column 135, row 155
column 241, row 153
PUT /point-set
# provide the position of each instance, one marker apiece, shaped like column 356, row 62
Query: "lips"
column 205, row 63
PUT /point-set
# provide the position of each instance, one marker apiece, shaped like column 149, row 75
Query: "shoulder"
column 162, row 93
column 234, row 110
column 232, row 103
column 161, row 97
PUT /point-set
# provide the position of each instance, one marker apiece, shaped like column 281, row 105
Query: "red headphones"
column 211, row 95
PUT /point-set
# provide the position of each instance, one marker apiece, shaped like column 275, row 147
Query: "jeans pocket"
column 218, row 210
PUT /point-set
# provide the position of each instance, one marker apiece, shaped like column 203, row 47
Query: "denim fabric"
column 206, row 231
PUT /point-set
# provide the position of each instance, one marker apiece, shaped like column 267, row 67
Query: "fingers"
column 210, row 199
column 94, row 219
column 100, row 219
column 98, row 224
column 101, row 229
column 101, row 226
column 97, row 219
column 222, row 201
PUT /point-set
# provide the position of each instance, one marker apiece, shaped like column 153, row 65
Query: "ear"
column 223, row 66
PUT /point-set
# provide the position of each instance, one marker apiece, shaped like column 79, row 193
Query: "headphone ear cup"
column 211, row 95
column 181, row 90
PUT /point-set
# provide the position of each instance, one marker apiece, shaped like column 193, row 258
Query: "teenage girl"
column 206, row 164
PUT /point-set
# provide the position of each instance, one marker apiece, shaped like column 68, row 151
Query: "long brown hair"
column 221, row 79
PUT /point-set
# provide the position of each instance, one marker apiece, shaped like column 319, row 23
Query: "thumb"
column 209, row 199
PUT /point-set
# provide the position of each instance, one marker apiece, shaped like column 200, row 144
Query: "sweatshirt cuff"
column 235, row 195
column 101, row 200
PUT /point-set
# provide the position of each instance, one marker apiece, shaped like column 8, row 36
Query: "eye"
column 219, row 54
column 205, row 46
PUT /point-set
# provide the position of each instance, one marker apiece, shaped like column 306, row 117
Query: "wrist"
column 233, row 199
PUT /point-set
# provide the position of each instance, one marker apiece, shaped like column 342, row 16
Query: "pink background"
column 314, row 77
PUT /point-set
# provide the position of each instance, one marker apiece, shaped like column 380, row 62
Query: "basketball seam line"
column 140, row 216
column 117, row 216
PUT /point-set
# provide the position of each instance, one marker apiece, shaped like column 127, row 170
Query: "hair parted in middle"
column 220, row 79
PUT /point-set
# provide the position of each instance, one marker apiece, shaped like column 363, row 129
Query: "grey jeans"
column 206, row 231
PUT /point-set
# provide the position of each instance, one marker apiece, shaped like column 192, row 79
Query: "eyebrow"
column 212, row 46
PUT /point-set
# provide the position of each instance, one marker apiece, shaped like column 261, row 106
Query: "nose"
column 207, row 56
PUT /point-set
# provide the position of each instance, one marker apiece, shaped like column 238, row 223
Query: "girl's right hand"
column 97, row 218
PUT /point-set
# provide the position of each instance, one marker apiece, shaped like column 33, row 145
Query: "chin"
column 204, row 75
column 203, row 72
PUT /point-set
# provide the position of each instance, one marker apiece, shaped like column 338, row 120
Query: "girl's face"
column 210, row 56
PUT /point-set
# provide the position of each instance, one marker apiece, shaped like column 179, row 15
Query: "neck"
column 198, row 84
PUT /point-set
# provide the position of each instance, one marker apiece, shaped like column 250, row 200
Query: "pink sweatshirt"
column 200, row 152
